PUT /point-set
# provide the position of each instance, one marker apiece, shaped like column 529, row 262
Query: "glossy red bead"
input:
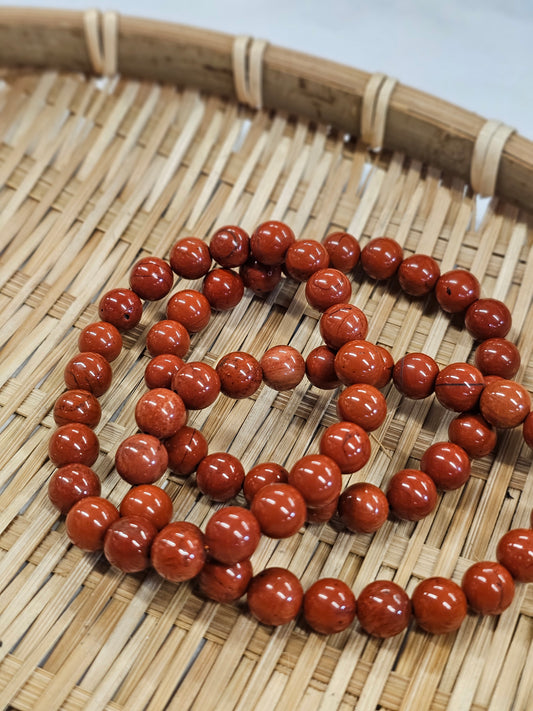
column 488, row 318
column 363, row 507
column 363, row 404
column 317, row 478
column 149, row 502
column 230, row 246
column 388, row 367
column 178, row 551
column 504, row 403
column 283, row 367
column 260, row 278
column 151, row 278
column 360, row 362
column 197, row 384
column 232, row 534
column 270, row 241
column 71, row 483
column 160, row 412
column 280, row 510
column 73, row 443
column 159, row 371
column 414, row 375
column 489, row 587
column 473, row 433
column 515, row 552
column 127, row 543
column 329, row 606
column 497, row 356
column 412, row 494
column 327, row 287
column 88, row 520
column 223, row 289
column 220, row 476
column 344, row 251
column 240, row 374
column 304, row 258
column 275, row 596
column 383, row 609
column 459, row 386
column 190, row 308
column 88, row 371
column 185, row 450
column 102, row 338
column 347, row 444
column 77, row 406
column 381, row 257
column 447, row 464
column 224, row 583
column 439, row 605
column 527, row 430
column 121, row 307
column 342, row 323
column 418, row 274
column 168, row 337
column 141, row 459
column 261, row 475
column 320, row 368
column 190, row 258
column 456, row 290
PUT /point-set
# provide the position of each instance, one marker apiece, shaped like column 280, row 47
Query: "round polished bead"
column 439, row 605
column 488, row 318
column 260, row 278
column 88, row 520
column 327, row 287
column 190, row 308
column 230, row 246
column 360, row 362
column 160, row 412
column 220, row 476
column 418, row 274
column 197, row 384
column 473, row 433
column 178, row 551
column 497, row 356
column 363, row 507
column 270, row 241
column 505, row 403
column 149, row 502
column 190, row 258
column 412, row 494
column 388, row 367
column 185, row 450
column 447, row 464
column 527, row 430
column 363, row 404
column 141, row 459
column 317, row 478
column 121, row 307
column 159, row 371
column 320, row 368
column 232, row 534
column 343, row 250
column 458, row 386
column 77, row 406
column 88, row 371
column 414, row 375
column 168, row 337
column 224, row 583
column 489, row 587
column 127, row 543
column 456, row 290
column 347, row 444
column 71, row 483
column 73, row 443
column 304, row 258
column 342, row 323
column 283, row 367
column 383, row 609
column 240, row 375
column 381, row 257
column 151, row 278
column 329, row 606
column 324, row 513
column 275, row 596
column 223, row 289
column 102, row 338
column 280, row 510
column 261, row 475
column 515, row 552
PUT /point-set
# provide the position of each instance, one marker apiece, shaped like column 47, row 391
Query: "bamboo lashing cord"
column 376, row 100
column 486, row 157
column 101, row 36
column 247, row 58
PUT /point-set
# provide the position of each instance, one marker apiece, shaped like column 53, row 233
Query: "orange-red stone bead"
column 418, row 274
column 127, row 543
column 73, row 443
column 160, row 412
column 283, row 367
column 489, row 587
column 150, row 502
column 223, row 288
column 186, row 449
column 363, row 404
column 141, row 459
column 224, row 583
column 270, row 241
column 327, row 287
column 329, row 606
column 102, row 338
column 190, row 258
column 197, row 384
column 178, row 551
column 261, row 475
column 447, row 464
column 232, row 535
column 383, row 609
column 347, row 444
column 190, row 308
column 240, row 374
column 342, row 323
column 505, row 403
column 121, row 307
column 317, row 478
column 275, row 596
column 88, row 371
column 230, row 246
column 381, row 257
column 168, row 337
column 304, row 258
column 515, row 552
column 456, row 290
column 77, row 406
column 439, row 605
column 220, row 476
column 151, row 278
column 412, row 494
column 363, row 507
column 458, row 386
column 320, row 368
column 280, row 510
column 344, row 251
column 71, row 483
column 88, row 520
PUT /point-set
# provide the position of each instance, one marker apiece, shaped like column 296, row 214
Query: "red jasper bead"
column 489, row 587
column 473, row 433
column 515, row 552
column 168, row 337
column 102, row 338
column 224, row 583
column 304, row 258
column 240, row 374
column 347, row 444
column 317, row 478
column 88, row 371
column 260, row 278
column 527, row 430
column 261, row 475
column 418, row 274
column 190, row 258
column 220, row 476
column 223, row 289
column 283, row 367
column 343, row 250
column 122, row 308
column 232, row 535
column 414, row 375
column 71, row 483
column 383, row 609
column 270, row 241
column 447, row 464
column 141, row 459
column 275, row 596
column 186, row 449
column 197, row 384
column 458, row 386
column 321, row 514
column 497, row 356
column 190, row 308
column 381, row 257
column 439, row 605
column 329, row 606
column 362, row 404
column 127, row 543
column 363, row 508
column 280, row 510
column 151, row 278
column 178, row 551
column 159, row 371
column 160, row 412
column 360, row 362
column 327, row 287
column 342, row 323
column 73, row 443
column 88, row 520
column 505, row 403
column 149, row 502
column 388, row 367
column 412, row 494
column 77, row 406
column 320, row 368
column 456, row 290
column 488, row 318
column 230, row 246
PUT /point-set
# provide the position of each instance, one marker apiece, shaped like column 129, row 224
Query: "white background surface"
column 475, row 53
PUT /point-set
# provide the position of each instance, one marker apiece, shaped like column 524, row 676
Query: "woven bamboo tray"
column 95, row 173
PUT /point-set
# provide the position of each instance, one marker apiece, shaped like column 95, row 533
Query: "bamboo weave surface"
column 95, row 174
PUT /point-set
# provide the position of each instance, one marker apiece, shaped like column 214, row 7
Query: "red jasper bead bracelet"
column 141, row 532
